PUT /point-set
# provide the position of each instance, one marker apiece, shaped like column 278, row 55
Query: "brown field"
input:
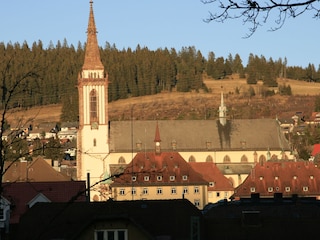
column 176, row 105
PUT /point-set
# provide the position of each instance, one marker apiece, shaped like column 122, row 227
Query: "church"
column 104, row 147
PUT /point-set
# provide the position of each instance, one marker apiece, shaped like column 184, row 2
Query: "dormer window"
column 134, row 178
column 252, row 189
column 174, row 144
column 270, row 189
column 294, row 177
column 184, row 177
column 305, row 188
column 159, row 178
column 146, row 178
column 311, row 176
column 139, row 145
column 172, row 178
column 211, row 184
column 287, row 189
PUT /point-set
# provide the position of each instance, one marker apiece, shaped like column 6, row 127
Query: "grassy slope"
column 176, row 105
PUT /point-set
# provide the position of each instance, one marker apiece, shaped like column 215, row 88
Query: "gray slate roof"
column 193, row 135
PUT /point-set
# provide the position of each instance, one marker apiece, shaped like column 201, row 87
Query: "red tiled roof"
column 21, row 193
column 211, row 173
column 286, row 177
column 165, row 164
column 316, row 149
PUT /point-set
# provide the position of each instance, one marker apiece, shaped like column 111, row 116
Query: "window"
column 146, row 178
column 196, row 190
column 218, row 194
column 197, row 202
column 122, row 191
column 145, row 191
column 287, row 189
column 133, row 191
column 252, row 189
column 226, row 194
column 184, row 177
column 112, row 234
column 172, row 178
column 159, row 190
column 93, row 106
column 305, row 188
column 159, row 178
column 185, row 190
column 270, row 189
column 94, row 142
column 173, row 190
column 211, row 184
column 134, row 178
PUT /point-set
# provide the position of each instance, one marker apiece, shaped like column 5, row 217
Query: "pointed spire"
column 157, row 140
column 222, row 111
column 92, row 59
column 157, row 135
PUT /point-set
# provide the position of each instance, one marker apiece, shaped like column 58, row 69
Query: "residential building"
column 37, row 170
column 256, row 217
column 219, row 186
column 119, row 220
column 289, row 178
column 163, row 175
column 21, row 196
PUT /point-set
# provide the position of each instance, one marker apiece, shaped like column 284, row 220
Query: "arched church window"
column 93, row 106
column 244, row 159
column 192, row 159
column 209, row 158
column 121, row 160
column 226, row 159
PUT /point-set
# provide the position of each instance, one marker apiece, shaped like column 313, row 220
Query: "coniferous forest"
column 132, row 72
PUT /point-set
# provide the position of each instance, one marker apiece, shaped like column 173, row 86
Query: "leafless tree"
column 258, row 13
column 13, row 85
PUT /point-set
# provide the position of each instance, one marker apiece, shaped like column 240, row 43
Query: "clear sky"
column 157, row 24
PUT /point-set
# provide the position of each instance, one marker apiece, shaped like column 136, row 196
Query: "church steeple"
column 92, row 59
column 157, row 140
column 93, row 132
column 222, row 111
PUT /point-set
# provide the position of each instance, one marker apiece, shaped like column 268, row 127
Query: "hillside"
column 177, row 105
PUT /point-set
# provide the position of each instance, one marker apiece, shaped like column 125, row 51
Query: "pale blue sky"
column 157, row 24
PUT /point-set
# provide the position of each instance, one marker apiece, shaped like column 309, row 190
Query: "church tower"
column 92, row 140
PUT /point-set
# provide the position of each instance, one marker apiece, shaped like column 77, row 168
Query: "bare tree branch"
column 257, row 14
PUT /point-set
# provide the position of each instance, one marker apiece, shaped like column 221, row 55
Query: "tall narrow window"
column 93, row 106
